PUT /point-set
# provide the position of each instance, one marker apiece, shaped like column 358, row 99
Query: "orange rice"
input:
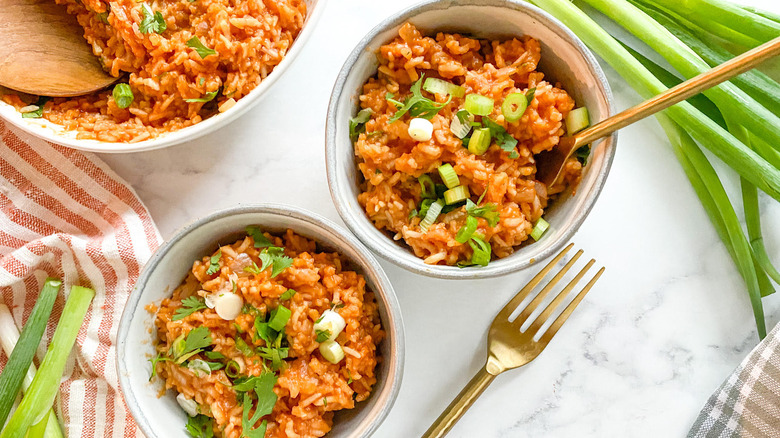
column 251, row 37
column 309, row 388
column 391, row 161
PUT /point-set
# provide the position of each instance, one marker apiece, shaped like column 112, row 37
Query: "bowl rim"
column 368, row 264
column 43, row 130
column 377, row 240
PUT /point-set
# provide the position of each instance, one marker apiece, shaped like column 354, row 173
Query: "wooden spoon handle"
column 685, row 90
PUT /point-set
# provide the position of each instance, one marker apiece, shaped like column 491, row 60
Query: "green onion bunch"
column 736, row 121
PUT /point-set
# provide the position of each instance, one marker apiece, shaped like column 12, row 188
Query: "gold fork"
column 508, row 346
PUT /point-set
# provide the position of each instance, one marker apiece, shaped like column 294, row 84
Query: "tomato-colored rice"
column 251, row 37
column 310, row 389
column 391, row 161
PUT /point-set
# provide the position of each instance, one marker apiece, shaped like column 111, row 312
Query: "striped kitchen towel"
column 65, row 214
column 747, row 404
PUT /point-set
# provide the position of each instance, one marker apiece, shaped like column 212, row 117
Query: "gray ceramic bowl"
column 161, row 417
column 565, row 59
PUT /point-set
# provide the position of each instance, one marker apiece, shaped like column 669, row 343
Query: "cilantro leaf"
column 487, row 211
column 206, row 97
column 416, row 105
column 289, row 293
column 155, row 361
column 322, row 335
column 274, row 256
column 266, row 399
column 357, row 123
column 189, row 306
column 200, row 426
column 215, row 355
column 37, row 114
column 243, row 347
column 275, row 355
column 214, row 263
column 257, row 235
column 504, row 140
column 197, row 339
column 529, row 95
column 582, row 154
column 202, row 50
column 152, row 21
column 254, row 269
column 265, row 332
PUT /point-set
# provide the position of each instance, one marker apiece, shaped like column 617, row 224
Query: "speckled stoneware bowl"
column 57, row 134
column 161, row 417
column 565, row 59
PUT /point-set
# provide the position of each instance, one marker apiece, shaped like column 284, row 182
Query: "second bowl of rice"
column 431, row 165
column 315, row 341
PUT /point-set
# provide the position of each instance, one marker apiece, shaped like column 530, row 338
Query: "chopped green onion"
column 198, row 366
column 123, row 95
column 279, row 318
column 513, row 107
column 232, row 369
column 577, row 120
column 38, row 113
column 206, row 97
column 202, row 50
column 427, row 187
column 481, row 250
column 456, row 194
column 540, row 227
column 480, row 141
column 431, row 215
column 332, row 351
column 478, row 104
column 438, row 86
column 45, row 385
column 424, row 206
column 461, row 124
column 19, row 361
column 448, row 175
column 467, row 230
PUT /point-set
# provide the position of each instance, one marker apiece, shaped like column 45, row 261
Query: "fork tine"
column 542, row 318
column 569, row 309
column 531, row 307
column 514, row 302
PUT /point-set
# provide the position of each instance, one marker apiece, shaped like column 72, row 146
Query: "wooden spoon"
column 43, row 51
column 549, row 164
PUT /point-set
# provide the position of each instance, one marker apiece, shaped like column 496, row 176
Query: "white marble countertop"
column 664, row 327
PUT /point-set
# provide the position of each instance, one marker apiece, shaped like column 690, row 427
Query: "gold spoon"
column 549, row 164
column 43, row 51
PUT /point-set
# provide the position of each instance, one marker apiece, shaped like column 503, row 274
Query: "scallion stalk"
column 755, row 117
column 456, row 194
column 467, row 230
column 45, row 385
column 718, row 140
column 514, row 106
column 724, row 13
column 19, row 361
column 577, row 120
column 480, row 141
column 9, row 336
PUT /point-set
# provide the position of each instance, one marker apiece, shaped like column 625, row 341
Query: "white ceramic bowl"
column 564, row 59
column 162, row 417
column 57, row 134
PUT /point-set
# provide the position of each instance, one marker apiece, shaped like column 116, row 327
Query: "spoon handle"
column 685, row 90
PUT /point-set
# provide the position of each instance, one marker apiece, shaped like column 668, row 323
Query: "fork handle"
column 462, row 402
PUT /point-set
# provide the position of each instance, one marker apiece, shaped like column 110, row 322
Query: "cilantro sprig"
column 416, row 105
column 195, row 341
column 189, row 306
column 200, row 426
column 263, row 389
column 357, row 124
column 274, row 257
column 214, row 263
column 152, row 21
column 257, row 235
column 503, row 139
column 203, row 51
